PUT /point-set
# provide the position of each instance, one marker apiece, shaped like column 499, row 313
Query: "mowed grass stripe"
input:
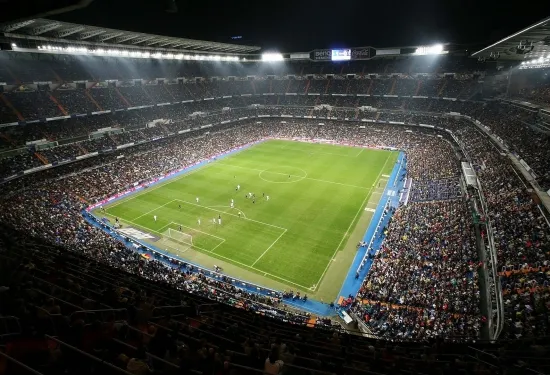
column 315, row 214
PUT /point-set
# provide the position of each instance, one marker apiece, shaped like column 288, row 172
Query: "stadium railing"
column 106, row 366
column 21, row 367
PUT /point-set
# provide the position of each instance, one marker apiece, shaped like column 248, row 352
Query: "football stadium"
column 183, row 206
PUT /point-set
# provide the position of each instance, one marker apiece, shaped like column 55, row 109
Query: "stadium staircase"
column 270, row 86
column 169, row 92
column 8, row 139
column 54, row 99
column 147, row 94
column 347, row 87
column 327, row 86
column 394, row 83
column 307, row 86
column 442, row 88
column 288, row 86
column 122, row 97
column 57, row 77
column 253, row 87
column 15, row 78
column 87, row 92
column 41, row 157
column 8, row 104
column 418, row 86
column 371, row 84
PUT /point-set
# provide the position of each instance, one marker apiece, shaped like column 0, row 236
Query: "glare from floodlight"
column 436, row 49
column 271, row 56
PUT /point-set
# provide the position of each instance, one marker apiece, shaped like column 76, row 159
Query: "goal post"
column 180, row 236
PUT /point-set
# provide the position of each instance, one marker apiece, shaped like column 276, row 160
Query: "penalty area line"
column 233, row 208
column 229, row 259
column 167, row 182
column 227, row 213
column 148, row 212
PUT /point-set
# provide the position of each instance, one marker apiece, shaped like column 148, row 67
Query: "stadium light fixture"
column 270, row 57
column 138, row 54
column 436, row 49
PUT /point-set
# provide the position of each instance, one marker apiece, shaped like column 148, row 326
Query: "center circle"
column 283, row 174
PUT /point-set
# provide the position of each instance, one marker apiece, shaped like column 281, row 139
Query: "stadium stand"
column 77, row 300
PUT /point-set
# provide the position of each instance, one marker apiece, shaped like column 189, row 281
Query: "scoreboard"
column 345, row 54
column 341, row 54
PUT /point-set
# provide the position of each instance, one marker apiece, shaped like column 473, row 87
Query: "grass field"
column 317, row 195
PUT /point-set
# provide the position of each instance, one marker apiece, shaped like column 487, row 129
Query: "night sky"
column 303, row 25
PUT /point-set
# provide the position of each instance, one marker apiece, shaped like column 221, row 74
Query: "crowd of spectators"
column 430, row 190
column 51, row 209
column 34, row 104
column 433, row 161
column 142, row 317
column 423, row 281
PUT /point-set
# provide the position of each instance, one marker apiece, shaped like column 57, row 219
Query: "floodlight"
column 269, row 56
column 437, row 49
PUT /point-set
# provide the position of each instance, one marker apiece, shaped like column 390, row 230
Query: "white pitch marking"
column 147, row 213
column 233, row 208
column 345, row 234
column 229, row 259
column 196, row 230
column 227, row 213
column 285, row 174
column 157, row 186
column 270, row 246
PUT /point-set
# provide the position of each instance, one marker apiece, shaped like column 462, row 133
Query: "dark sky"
column 303, row 25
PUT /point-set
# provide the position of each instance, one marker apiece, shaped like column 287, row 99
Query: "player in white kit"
column 155, row 217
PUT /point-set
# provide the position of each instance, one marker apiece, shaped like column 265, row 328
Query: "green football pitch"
column 318, row 194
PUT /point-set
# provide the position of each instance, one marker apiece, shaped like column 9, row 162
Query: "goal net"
column 180, row 236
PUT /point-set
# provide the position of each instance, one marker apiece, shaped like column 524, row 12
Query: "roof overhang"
column 529, row 43
column 64, row 33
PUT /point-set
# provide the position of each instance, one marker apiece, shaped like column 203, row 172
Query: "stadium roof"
column 531, row 42
column 40, row 31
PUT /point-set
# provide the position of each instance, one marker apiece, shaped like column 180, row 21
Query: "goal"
column 180, row 236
